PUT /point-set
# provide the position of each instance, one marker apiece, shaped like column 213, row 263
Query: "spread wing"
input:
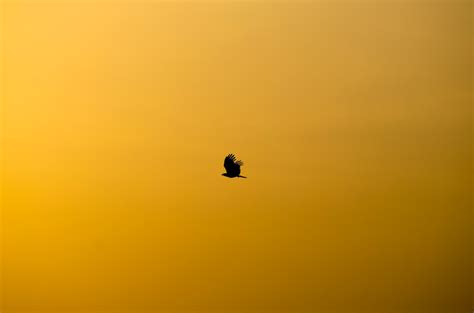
column 229, row 163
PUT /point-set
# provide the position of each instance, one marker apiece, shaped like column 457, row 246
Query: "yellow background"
column 353, row 118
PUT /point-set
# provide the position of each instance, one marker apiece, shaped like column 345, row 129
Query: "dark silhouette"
column 232, row 166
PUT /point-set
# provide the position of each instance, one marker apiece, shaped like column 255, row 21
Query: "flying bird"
column 232, row 167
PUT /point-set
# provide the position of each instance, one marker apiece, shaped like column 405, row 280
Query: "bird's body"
column 232, row 166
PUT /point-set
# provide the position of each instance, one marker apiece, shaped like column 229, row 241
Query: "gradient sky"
column 353, row 118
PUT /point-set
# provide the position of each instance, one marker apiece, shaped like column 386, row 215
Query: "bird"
column 232, row 166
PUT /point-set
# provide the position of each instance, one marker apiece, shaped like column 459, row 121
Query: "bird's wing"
column 229, row 162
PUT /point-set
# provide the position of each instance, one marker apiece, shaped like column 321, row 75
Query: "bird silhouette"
column 232, row 166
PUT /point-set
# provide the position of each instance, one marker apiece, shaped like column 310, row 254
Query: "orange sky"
column 353, row 118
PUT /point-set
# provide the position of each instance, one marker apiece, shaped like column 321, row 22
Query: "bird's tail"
column 242, row 176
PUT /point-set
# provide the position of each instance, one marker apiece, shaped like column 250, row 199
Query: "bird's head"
column 225, row 174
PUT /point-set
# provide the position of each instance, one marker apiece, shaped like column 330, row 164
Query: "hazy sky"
column 353, row 118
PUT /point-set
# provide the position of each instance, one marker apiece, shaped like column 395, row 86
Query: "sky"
column 353, row 119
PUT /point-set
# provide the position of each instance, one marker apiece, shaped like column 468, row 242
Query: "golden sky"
column 353, row 118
